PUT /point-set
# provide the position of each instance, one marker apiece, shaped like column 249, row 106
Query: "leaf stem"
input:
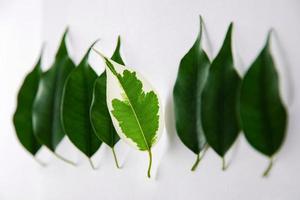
column 199, row 158
column 196, row 163
column 92, row 164
column 266, row 173
column 150, row 163
column 223, row 163
column 64, row 159
column 39, row 161
column 115, row 157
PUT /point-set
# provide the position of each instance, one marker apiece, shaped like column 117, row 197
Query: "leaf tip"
column 65, row 33
column 118, row 44
column 270, row 33
column 201, row 20
column 201, row 26
column 41, row 53
column 230, row 28
column 228, row 37
column 63, row 46
column 43, row 48
column 95, row 42
column 89, row 50
column 119, row 40
column 66, row 30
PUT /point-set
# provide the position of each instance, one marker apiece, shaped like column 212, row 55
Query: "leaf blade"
column 46, row 110
column 116, row 55
column 77, row 98
column 263, row 114
column 23, row 115
column 220, row 100
column 191, row 78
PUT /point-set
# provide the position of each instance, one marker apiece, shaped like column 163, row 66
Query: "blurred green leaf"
column 220, row 114
column 263, row 115
column 23, row 115
column 187, row 93
column 47, row 105
column 76, row 101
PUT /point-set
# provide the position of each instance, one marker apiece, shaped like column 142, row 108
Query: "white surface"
column 155, row 36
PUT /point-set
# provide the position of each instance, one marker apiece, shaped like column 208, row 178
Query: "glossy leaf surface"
column 220, row 100
column 23, row 115
column 47, row 106
column 187, row 93
column 263, row 115
column 77, row 98
column 134, row 107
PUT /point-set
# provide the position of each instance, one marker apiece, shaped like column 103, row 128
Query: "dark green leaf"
column 77, row 98
column 100, row 116
column 263, row 115
column 116, row 55
column 220, row 100
column 101, row 120
column 191, row 78
column 46, row 110
column 23, row 115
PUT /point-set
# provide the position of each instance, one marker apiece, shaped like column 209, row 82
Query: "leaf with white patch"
column 134, row 107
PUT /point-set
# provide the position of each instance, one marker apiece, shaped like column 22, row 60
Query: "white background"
column 155, row 36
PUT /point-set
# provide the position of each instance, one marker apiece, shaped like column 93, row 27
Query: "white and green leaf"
column 134, row 107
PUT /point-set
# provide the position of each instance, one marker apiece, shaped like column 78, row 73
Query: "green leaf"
column 191, row 78
column 23, row 115
column 116, row 55
column 100, row 118
column 134, row 107
column 263, row 115
column 76, row 101
column 47, row 124
column 220, row 114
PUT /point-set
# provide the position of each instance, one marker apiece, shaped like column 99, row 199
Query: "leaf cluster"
column 213, row 103
column 65, row 100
